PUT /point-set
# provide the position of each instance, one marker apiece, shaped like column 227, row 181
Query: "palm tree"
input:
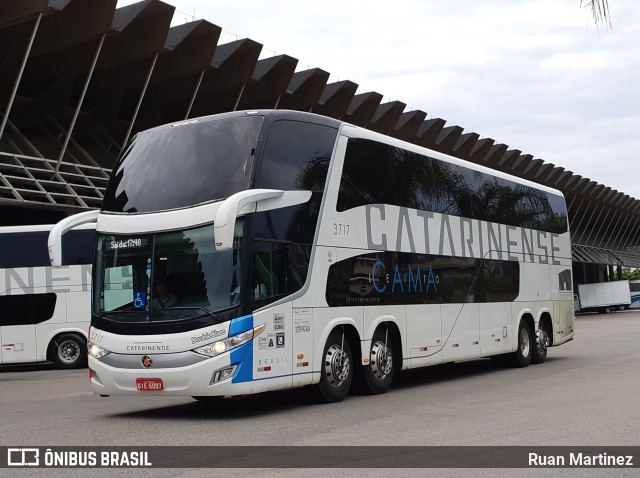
column 599, row 10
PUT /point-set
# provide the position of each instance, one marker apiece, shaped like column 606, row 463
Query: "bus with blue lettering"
column 634, row 292
column 265, row 250
column 45, row 311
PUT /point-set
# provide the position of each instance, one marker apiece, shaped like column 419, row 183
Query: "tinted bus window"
column 377, row 173
column 396, row 278
column 78, row 247
column 367, row 175
column 26, row 309
column 24, row 249
column 296, row 156
column 187, row 165
column 29, row 249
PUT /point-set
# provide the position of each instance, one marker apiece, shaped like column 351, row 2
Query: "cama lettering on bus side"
column 407, row 280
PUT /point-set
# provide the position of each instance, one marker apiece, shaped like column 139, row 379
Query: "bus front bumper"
column 162, row 375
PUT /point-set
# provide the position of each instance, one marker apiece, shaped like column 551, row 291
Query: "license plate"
column 149, row 384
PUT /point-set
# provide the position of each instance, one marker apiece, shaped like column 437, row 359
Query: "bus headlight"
column 96, row 351
column 230, row 343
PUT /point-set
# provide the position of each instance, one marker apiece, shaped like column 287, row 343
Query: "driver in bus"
column 163, row 297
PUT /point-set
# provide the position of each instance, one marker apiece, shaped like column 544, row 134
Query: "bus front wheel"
column 68, row 351
column 336, row 369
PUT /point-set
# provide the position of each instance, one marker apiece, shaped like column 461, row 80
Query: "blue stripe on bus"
column 243, row 358
column 240, row 324
column 635, row 299
column 243, row 355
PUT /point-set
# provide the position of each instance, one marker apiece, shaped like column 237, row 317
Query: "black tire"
column 539, row 351
column 522, row 356
column 68, row 351
column 378, row 374
column 336, row 369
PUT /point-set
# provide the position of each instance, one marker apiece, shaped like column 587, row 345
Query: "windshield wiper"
column 206, row 311
column 127, row 310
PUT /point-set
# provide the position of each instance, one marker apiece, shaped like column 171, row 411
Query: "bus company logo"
column 147, row 348
column 405, row 281
column 208, row 335
column 146, row 361
column 426, row 232
column 23, row 457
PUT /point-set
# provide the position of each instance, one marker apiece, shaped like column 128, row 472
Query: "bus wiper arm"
column 206, row 311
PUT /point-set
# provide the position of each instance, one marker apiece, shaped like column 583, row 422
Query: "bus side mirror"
column 244, row 202
column 54, row 242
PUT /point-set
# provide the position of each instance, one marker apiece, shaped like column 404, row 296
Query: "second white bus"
column 44, row 310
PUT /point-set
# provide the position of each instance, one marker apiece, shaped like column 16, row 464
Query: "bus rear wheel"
column 378, row 375
column 539, row 352
column 336, row 371
column 68, row 351
column 522, row 356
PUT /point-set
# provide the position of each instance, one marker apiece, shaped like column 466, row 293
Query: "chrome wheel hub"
column 68, row 351
column 542, row 341
column 524, row 343
column 336, row 366
column 381, row 360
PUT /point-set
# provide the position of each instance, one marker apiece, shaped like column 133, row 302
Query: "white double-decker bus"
column 254, row 251
column 44, row 310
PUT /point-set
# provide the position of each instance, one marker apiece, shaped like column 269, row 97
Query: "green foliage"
column 631, row 275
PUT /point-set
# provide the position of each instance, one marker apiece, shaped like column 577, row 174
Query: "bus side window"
column 24, row 249
column 78, row 247
column 14, row 309
column 26, row 309
column 269, row 276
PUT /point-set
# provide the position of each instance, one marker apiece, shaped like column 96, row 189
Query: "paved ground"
column 585, row 394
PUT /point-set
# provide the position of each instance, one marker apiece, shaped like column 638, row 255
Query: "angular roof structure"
column 79, row 78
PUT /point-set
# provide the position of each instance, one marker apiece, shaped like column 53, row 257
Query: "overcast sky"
column 537, row 76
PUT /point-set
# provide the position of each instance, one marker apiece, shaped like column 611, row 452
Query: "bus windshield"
column 166, row 276
column 205, row 161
